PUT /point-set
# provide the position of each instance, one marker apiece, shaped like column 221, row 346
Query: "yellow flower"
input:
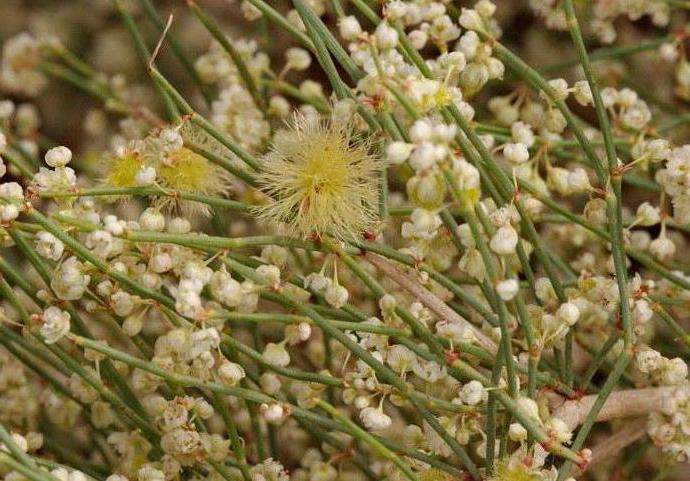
column 434, row 474
column 122, row 169
column 185, row 170
column 320, row 180
column 178, row 169
column 512, row 470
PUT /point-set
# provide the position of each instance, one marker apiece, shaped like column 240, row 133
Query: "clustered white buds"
column 499, row 226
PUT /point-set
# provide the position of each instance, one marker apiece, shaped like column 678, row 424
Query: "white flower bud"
column 171, row 140
column 595, row 211
column 396, row 10
column 152, row 219
column 504, row 241
column 276, row 354
column 648, row 215
column 122, row 303
column 583, row 93
column 374, row 418
column 77, row 476
column 522, row 133
column 298, row 58
column 559, row 430
column 471, row 19
column 145, row 176
column 529, row 407
column 336, row 295
column 668, row 52
column 674, row 371
column 178, row 225
column 568, row 313
column 472, row 393
column 58, row 156
column 421, row 131
column 418, row 38
column 386, row 36
column 517, row 433
column 516, row 153
column 69, row 282
column 662, row 248
column 116, row 477
column 270, row 274
column 296, row 333
column 560, row 88
column 160, row 262
column 398, row 152
column 273, row 413
column 148, row 473
column 270, row 383
column 508, row 289
column 132, row 325
column 350, row 28
column 230, row 372
column 8, row 212
column 578, row 181
column 641, row 312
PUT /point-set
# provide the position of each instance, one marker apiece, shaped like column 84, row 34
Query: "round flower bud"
column 559, row 87
column 132, row 325
column 296, row 333
column 418, row 38
column 273, row 413
column 508, row 289
column 471, row 19
column 230, row 372
column 374, row 418
column 145, row 176
column 171, row 140
column 398, row 152
column 58, row 156
column 421, row 131
column 662, row 248
column 426, row 191
column 336, row 295
column 472, row 393
column 559, row 430
column 517, row 433
column 578, row 181
column 668, row 52
column 152, row 219
column 516, row 153
column 504, row 241
column 583, row 93
column 298, row 58
column 648, row 215
column 178, row 225
column 349, row 27
column 270, row 383
column 529, row 406
column 276, row 355
column 386, row 36
column 568, row 313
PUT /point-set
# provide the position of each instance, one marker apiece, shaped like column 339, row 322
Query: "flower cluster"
column 345, row 241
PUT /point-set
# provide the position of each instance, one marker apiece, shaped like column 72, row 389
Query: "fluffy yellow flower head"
column 320, row 180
